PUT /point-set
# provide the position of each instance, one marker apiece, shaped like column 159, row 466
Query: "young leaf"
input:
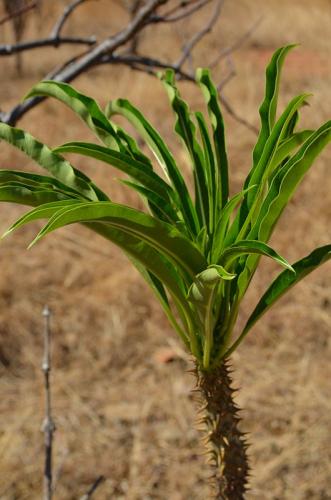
column 251, row 247
column 211, row 96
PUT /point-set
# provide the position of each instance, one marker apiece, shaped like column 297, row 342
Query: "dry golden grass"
column 119, row 410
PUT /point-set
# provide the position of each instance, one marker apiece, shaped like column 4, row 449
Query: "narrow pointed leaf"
column 85, row 107
column 158, row 205
column 161, row 152
column 46, row 158
column 37, row 181
column 222, row 224
column 24, row 195
column 159, row 234
column 186, row 130
column 287, row 147
column 269, row 105
column 45, row 211
column 261, row 172
column 251, row 247
column 123, row 162
column 214, row 108
column 282, row 284
column 287, row 180
column 209, row 163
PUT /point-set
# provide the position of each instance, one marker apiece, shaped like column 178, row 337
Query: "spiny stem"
column 227, row 446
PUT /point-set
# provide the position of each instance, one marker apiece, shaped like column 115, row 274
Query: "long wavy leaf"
column 159, row 234
column 163, row 155
column 214, row 108
column 269, row 105
column 25, row 195
column 186, row 130
column 281, row 285
column 123, row 162
column 84, row 106
column 46, row 158
column 251, row 247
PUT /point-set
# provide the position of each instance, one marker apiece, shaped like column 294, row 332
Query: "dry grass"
column 120, row 411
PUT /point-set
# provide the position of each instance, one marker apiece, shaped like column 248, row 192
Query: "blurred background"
column 121, row 389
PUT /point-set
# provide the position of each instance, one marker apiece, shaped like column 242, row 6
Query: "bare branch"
column 65, row 16
column 231, row 74
column 48, row 425
column 189, row 46
column 8, row 50
column 22, row 10
column 91, row 490
column 120, row 48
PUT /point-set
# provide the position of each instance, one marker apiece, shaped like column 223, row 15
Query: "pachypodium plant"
column 198, row 253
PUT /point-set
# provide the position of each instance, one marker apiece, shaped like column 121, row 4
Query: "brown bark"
column 227, row 446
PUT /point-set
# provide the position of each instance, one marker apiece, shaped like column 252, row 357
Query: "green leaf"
column 209, row 163
column 261, row 172
column 287, row 180
column 186, row 130
column 282, row 187
column 45, row 211
column 222, row 224
column 202, row 295
column 287, row 147
column 37, row 181
column 251, row 247
column 163, row 155
column 162, row 236
column 24, row 195
column 85, row 107
column 214, row 108
column 54, row 163
column 281, row 285
column 135, row 169
column 132, row 147
column 269, row 105
column 151, row 259
column 158, row 206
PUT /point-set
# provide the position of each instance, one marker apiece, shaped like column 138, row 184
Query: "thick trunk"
column 226, row 443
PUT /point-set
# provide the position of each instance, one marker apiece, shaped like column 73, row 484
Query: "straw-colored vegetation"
column 146, row 446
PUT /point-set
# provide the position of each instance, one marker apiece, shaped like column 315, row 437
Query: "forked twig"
column 64, row 17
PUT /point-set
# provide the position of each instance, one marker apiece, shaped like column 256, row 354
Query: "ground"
column 121, row 385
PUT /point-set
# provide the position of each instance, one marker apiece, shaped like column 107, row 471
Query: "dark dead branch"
column 122, row 47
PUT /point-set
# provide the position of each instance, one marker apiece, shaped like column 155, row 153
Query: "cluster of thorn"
column 226, row 444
